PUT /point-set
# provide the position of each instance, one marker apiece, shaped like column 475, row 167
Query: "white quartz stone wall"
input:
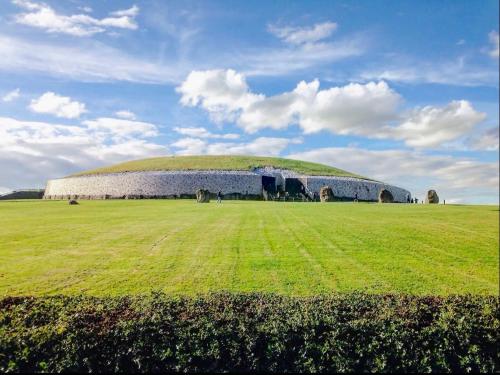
column 116, row 185
column 347, row 187
column 170, row 183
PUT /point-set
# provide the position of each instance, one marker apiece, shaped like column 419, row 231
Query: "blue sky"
column 402, row 91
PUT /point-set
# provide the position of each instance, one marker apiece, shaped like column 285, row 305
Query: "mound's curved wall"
column 347, row 187
column 150, row 184
column 177, row 183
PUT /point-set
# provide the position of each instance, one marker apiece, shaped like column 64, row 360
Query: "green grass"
column 242, row 163
column 122, row 247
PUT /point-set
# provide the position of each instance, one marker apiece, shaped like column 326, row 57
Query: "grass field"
column 120, row 247
column 215, row 162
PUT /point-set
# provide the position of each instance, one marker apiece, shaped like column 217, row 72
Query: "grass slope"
column 120, row 247
column 243, row 163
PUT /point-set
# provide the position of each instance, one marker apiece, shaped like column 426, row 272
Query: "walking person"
column 219, row 197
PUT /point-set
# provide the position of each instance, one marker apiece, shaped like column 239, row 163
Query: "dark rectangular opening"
column 294, row 186
column 269, row 184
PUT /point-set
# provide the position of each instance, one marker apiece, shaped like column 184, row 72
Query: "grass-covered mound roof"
column 240, row 163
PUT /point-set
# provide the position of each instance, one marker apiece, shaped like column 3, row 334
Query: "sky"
column 405, row 92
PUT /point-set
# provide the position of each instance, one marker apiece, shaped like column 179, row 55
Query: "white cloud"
column 301, row 35
column 220, row 92
column 368, row 110
column 458, row 179
column 351, row 109
column 259, row 146
column 200, row 132
column 11, row 95
column 296, row 57
column 299, row 49
column 431, row 126
column 226, row 96
column 88, row 60
column 494, row 40
column 484, row 141
column 86, row 9
column 130, row 12
column 452, row 72
column 60, row 106
column 120, row 128
column 128, row 115
column 41, row 15
column 33, row 152
column 190, row 146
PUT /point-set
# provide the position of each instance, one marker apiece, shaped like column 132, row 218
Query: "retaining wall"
column 165, row 184
column 154, row 184
column 347, row 187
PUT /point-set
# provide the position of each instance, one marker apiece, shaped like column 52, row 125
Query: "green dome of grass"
column 238, row 163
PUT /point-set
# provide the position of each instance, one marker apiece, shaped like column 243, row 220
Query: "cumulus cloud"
column 36, row 151
column 301, row 35
column 369, row 110
column 457, row 179
column 200, row 132
column 226, row 96
column 128, row 115
column 220, row 92
column 11, row 95
column 431, row 126
column 120, row 128
column 259, row 146
column 494, row 40
column 42, row 16
column 60, row 106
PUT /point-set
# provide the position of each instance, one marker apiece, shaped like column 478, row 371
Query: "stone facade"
column 154, row 184
column 170, row 184
column 347, row 187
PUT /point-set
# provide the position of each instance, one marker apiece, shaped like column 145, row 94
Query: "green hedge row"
column 250, row 332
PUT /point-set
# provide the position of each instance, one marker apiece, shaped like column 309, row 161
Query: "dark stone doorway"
column 269, row 184
column 294, row 186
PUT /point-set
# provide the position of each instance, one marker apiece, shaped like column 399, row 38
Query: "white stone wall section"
column 177, row 183
column 347, row 187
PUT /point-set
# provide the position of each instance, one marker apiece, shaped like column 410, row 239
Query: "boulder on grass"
column 432, row 197
column 72, row 201
column 202, row 196
column 326, row 194
column 385, row 196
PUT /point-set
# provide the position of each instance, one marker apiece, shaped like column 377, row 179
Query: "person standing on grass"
column 219, row 197
column 356, row 197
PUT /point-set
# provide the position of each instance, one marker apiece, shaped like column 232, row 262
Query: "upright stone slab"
column 385, row 196
column 432, row 197
column 202, row 196
column 326, row 194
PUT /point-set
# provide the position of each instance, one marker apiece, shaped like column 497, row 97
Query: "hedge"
column 250, row 332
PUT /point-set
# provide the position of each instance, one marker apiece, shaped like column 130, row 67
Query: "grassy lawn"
column 214, row 162
column 120, row 247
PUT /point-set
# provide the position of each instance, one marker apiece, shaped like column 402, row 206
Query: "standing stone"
column 326, row 194
column 385, row 196
column 202, row 196
column 432, row 197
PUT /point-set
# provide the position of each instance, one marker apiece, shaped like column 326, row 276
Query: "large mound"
column 237, row 163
